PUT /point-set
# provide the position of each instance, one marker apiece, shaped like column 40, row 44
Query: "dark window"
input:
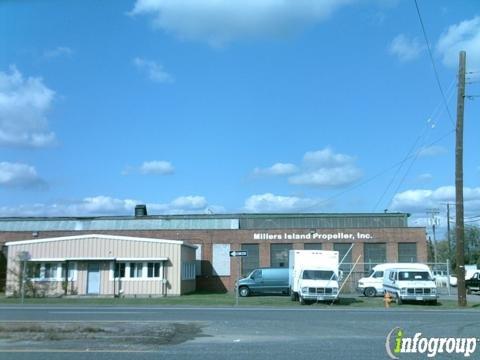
column 34, row 270
column 136, row 270
column 407, row 252
column 153, row 270
column 312, row 246
column 252, row 260
column 49, row 271
column 120, row 270
column 378, row 274
column 342, row 249
column 279, row 254
column 374, row 254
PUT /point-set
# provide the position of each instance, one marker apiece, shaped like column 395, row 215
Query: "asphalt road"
column 243, row 333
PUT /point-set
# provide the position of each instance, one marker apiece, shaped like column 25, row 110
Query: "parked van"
column 372, row 285
column 264, row 281
column 410, row 282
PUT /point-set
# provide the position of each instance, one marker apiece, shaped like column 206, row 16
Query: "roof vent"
column 140, row 210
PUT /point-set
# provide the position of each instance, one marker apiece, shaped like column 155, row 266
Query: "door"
column 93, row 279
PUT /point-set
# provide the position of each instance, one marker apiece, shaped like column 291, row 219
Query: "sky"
column 232, row 106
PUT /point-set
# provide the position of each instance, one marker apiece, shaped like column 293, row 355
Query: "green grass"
column 228, row 300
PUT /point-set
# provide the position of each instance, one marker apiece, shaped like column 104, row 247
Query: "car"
column 265, row 281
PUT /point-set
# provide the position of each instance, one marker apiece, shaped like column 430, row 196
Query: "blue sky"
column 233, row 106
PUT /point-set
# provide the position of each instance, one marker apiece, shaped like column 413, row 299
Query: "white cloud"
column 158, row 167
column 19, row 175
column 462, row 36
column 269, row 202
column 406, row 49
column 24, row 103
column 154, row 71
column 277, row 169
column 325, row 168
column 106, row 205
column 218, row 22
column 416, row 201
column 59, row 51
column 434, row 150
column 190, row 202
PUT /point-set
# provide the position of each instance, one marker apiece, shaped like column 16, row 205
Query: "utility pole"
column 434, row 222
column 459, row 228
column 448, row 234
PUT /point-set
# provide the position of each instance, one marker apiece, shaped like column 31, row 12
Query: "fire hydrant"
column 387, row 299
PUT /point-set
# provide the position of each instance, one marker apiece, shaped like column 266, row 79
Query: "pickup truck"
column 473, row 284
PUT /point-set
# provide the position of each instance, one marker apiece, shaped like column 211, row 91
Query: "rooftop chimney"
column 140, row 210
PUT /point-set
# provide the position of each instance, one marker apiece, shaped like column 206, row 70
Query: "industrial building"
column 106, row 265
column 267, row 238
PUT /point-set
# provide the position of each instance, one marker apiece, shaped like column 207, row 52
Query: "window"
column 312, row 246
column 50, row 271
column 378, row 274
column 407, row 252
column 72, row 273
column 414, row 275
column 374, row 254
column 392, row 275
column 252, row 260
column 153, row 270
column 120, row 270
column 188, row 271
column 279, row 255
column 319, row 275
column 136, row 270
column 34, row 270
column 342, row 249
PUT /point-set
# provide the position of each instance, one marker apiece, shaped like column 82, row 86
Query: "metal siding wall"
column 98, row 247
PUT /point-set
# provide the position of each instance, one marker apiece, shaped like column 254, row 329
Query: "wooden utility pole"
column 459, row 228
column 449, row 241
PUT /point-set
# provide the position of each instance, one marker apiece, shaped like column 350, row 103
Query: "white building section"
column 101, row 265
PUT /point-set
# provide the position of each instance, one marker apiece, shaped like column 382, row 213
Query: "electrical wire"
column 433, row 64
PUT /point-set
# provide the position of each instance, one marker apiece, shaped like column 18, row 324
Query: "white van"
column 410, row 282
column 372, row 285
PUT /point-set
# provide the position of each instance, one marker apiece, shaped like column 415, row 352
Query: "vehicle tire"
column 293, row 295
column 370, row 292
column 244, row 291
column 398, row 300
column 302, row 300
column 433, row 302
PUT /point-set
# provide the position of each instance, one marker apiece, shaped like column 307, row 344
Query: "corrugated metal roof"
column 207, row 222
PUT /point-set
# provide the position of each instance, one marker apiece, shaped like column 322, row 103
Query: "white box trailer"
column 313, row 275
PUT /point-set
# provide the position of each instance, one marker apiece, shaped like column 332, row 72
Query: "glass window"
column 413, row 275
column 378, row 274
column 279, row 254
column 34, row 270
column 312, row 246
column 407, row 252
column 49, row 271
column 374, row 254
column 319, row 275
column 153, row 270
column 120, row 270
column 342, row 249
column 136, row 270
column 252, row 260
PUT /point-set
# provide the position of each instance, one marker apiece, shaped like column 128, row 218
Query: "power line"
column 433, row 63
column 380, row 173
column 422, row 139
